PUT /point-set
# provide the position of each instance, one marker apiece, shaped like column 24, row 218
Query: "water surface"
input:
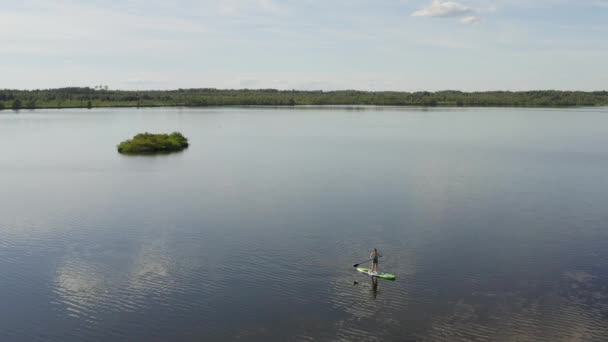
column 494, row 220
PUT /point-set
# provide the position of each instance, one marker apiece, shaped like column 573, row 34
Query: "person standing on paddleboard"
column 374, row 256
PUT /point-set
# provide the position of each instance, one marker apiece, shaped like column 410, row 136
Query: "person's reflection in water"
column 375, row 287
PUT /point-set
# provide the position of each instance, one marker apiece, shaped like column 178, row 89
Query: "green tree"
column 31, row 104
column 1, row 105
column 89, row 105
column 80, row 97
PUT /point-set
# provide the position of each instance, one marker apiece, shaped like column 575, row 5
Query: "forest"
column 85, row 97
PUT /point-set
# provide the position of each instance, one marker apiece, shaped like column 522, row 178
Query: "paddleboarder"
column 374, row 256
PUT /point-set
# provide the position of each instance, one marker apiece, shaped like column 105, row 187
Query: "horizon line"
column 308, row 90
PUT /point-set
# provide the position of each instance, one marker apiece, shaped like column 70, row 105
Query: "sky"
column 404, row 45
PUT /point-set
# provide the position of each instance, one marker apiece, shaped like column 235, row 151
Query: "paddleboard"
column 385, row 276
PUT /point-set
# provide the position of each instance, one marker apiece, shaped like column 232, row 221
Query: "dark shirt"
column 375, row 256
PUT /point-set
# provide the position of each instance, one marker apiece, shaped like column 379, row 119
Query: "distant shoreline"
column 303, row 107
column 95, row 98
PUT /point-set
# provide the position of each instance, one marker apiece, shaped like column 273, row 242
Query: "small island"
column 147, row 143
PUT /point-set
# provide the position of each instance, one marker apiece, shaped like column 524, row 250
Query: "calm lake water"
column 495, row 222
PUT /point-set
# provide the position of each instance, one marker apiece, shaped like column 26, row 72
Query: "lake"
column 495, row 222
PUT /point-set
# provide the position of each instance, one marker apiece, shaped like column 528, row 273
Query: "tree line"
column 85, row 97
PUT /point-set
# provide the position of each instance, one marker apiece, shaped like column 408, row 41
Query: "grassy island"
column 147, row 143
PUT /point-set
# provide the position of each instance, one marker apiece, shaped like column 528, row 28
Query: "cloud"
column 449, row 9
column 470, row 20
column 444, row 9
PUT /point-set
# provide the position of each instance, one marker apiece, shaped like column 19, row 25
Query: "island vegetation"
column 103, row 97
column 147, row 143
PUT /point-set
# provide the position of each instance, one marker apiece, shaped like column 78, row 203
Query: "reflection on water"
column 495, row 231
column 375, row 287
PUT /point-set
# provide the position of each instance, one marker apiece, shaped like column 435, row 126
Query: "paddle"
column 357, row 265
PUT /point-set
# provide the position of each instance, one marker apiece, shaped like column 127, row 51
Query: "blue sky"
column 404, row 45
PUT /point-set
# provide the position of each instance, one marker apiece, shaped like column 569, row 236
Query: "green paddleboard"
column 385, row 276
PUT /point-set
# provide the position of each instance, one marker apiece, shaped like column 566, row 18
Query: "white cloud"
column 440, row 8
column 450, row 9
column 470, row 20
